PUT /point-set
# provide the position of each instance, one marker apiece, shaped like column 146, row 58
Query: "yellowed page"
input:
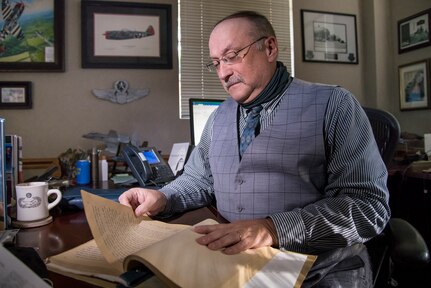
column 86, row 263
column 215, row 269
column 172, row 252
column 118, row 232
column 286, row 269
column 86, row 260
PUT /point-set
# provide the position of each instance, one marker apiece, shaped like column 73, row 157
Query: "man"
column 311, row 180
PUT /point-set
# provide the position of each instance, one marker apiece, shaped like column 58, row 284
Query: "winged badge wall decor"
column 121, row 94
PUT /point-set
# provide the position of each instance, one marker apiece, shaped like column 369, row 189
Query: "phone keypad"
column 162, row 172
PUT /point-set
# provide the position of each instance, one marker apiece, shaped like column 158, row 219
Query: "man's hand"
column 144, row 201
column 238, row 236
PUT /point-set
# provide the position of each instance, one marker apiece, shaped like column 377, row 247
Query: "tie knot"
column 255, row 110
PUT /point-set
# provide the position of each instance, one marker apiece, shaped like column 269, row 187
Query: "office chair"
column 399, row 255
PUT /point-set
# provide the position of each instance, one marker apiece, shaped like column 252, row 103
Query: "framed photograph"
column 32, row 36
column 126, row 35
column 414, row 32
column 414, row 85
column 329, row 37
column 15, row 95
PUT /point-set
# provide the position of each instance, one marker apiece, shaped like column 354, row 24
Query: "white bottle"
column 103, row 168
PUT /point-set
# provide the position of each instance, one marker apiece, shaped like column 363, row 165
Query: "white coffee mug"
column 32, row 201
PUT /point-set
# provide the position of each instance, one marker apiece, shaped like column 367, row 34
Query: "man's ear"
column 272, row 48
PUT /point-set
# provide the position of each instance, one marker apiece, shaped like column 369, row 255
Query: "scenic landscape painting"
column 27, row 31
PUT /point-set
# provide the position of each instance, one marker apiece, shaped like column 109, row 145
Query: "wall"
column 416, row 121
column 348, row 76
column 374, row 81
column 64, row 108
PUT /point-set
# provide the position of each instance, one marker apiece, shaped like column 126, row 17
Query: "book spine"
column 20, row 168
column 10, row 167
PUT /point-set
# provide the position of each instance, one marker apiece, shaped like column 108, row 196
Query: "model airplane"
column 111, row 140
column 127, row 34
column 11, row 17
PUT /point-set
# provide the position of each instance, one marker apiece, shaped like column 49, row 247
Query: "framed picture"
column 414, row 85
column 15, row 95
column 414, row 32
column 329, row 37
column 32, row 36
column 126, row 35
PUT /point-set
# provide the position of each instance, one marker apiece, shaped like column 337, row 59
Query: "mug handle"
column 57, row 200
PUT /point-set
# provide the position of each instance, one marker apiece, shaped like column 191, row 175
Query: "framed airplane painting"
column 32, row 35
column 126, row 35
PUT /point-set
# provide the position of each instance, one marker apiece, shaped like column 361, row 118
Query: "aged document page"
column 123, row 242
column 118, row 229
column 85, row 259
column 202, row 267
column 118, row 232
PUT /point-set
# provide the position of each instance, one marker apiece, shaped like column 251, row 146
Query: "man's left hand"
column 238, row 236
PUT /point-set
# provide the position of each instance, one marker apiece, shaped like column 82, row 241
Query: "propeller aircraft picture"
column 128, row 34
column 26, row 30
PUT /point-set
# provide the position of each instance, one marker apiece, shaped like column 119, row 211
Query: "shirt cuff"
column 290, row 231
column 169, row 208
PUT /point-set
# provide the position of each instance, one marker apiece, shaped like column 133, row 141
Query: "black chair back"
column 399, row 252
column 386, row 131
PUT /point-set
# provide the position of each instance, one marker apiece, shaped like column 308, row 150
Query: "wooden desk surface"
column 413, row 170
column 70, row 229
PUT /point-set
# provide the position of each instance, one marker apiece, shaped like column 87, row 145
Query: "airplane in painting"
column 127, row 34
column 10, row 18
column 41, row 36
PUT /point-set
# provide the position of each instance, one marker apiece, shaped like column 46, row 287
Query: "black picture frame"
column 15, row 95
column 119, row 35
column 329, row 37
column 39, row 47
column 414, row 31
column 414, row 81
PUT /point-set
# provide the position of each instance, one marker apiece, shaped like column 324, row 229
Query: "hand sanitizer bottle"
column 103, row 168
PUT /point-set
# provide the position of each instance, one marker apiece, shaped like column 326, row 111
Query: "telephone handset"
column 147, row 165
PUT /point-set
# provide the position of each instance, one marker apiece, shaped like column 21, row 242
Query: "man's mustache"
column 232, row 81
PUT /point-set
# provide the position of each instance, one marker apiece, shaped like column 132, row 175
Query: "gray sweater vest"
column 283, row 168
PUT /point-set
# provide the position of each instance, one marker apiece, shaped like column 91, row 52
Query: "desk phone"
column 147, row 165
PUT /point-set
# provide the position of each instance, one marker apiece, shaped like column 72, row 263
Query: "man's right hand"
column 144, row 201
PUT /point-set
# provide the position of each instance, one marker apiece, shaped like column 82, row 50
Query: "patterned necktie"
column 250, row 128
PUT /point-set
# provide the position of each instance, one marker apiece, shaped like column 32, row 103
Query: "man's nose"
column 224, row 71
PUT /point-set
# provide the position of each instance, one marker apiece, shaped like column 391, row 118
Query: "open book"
column 123, row 242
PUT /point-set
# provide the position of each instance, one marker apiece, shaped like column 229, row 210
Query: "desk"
column 410, row 191
column 70, row 229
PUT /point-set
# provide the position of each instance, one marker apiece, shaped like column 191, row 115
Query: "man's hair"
column 263, row 26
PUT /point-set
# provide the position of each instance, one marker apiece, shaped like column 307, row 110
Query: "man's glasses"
column 231, row 57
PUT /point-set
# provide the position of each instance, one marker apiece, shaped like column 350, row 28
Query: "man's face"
column 247, row 78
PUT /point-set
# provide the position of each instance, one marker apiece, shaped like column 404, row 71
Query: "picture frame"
column 126, row 35
column 36, row 43
column 414, row 85
column 414, row 31
column 329, row 37
column 15, row 95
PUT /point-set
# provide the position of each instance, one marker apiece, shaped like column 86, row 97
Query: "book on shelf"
column 13, row 163
column 20, row 174
column 124, row 244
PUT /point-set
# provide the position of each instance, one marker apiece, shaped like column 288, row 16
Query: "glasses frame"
column 212, row 68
